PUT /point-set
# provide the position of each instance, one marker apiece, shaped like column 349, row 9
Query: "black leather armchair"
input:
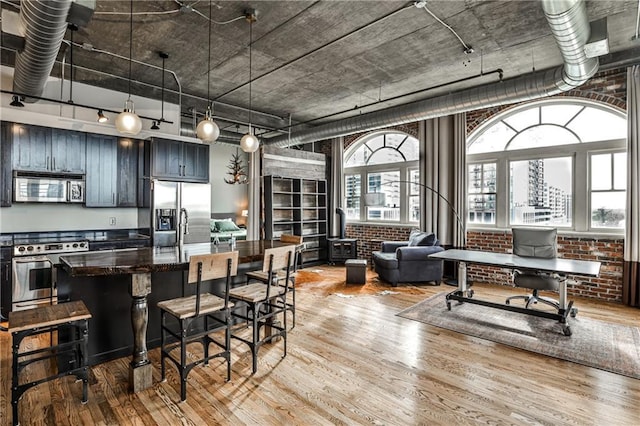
column 408, row 261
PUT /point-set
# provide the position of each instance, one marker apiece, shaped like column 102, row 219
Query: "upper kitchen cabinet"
column 179, row 161
column 101, row 178
column 5, row 164
column 112, row 171
column 42, row 149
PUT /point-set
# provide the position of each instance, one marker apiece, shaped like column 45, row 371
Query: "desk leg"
column 140, row 372
column 462, row 277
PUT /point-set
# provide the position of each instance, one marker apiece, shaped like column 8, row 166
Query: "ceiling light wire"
column 637, row 22
column 423, row 5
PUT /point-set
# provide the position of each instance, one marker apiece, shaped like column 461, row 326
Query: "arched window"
column 558, row 162
column 377, row 169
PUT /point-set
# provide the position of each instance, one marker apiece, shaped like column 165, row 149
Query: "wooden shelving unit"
column 299, row 207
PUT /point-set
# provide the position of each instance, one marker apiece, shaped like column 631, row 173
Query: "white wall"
column 226, row 198
column 43, row 217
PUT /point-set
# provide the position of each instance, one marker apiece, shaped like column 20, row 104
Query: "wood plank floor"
column 351, row 360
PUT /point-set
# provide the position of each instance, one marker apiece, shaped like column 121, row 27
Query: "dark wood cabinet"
column 101, row 177
column 112, row 172
column 5, row 164
column 179, row 161
column 68, row 151
column 31, row 148
column 43, row 149
column 127, row 181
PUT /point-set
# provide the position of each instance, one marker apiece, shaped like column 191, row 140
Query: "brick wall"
column 608, row 286
column 369, row 236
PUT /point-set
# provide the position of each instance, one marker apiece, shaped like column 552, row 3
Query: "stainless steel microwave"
column 48, row 190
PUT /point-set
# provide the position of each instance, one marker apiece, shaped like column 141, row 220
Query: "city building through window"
column 385, row 163
column 557, row 162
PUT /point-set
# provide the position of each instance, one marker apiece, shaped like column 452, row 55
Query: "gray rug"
column 610, row 347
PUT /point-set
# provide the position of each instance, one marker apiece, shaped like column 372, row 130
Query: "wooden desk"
column 556, row 265
column 109, row 268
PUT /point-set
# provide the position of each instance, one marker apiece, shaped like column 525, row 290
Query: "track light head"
column 16, row 101
column 101, row 117
column 155, row 125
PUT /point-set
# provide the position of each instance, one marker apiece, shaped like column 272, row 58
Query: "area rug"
column 606, row 346
column 332, row 280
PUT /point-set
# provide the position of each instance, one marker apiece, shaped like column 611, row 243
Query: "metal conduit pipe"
column 45, row 23
column 570, row 27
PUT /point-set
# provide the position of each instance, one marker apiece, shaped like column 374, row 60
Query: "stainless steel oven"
column 34, row 280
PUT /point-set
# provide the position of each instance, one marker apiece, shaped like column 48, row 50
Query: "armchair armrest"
column 417, row 253
column 391, row 246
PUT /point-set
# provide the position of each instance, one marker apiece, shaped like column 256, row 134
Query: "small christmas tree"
column 236, row 170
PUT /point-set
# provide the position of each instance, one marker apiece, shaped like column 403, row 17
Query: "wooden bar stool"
column 262, row 275
column 32, row 322
column 214, row 310
column 264, row 302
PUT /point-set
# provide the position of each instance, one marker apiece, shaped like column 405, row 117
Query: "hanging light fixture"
column 208, row 130
column 127, row 121
column 250, row 143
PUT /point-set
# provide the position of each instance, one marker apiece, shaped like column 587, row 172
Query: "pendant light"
column 250, row 143
column 208, row 130
column 127, row 121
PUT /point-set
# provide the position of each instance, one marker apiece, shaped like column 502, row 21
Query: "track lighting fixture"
column 15, row 101
column 101, row 117
column 155, row 125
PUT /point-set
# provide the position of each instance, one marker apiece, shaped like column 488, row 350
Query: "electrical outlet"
column 112, row 221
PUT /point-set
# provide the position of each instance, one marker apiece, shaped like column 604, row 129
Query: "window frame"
column 404, row 169
column 581, row 185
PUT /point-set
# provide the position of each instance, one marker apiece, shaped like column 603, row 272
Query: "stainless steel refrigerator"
column 180, row 213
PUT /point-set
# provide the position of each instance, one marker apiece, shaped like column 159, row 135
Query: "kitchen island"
column 121, row 289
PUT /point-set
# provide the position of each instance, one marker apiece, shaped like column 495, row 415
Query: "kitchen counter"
column 156, row 259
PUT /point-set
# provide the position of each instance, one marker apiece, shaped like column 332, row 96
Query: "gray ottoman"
column 356, row 271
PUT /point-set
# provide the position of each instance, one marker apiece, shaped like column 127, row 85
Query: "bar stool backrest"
column 283, row 257
column 214, row 266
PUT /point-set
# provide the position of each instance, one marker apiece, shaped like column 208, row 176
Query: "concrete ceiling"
column 315, row 59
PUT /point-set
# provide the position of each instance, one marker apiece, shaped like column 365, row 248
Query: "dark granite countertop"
column 156, row 259
column 91, row 236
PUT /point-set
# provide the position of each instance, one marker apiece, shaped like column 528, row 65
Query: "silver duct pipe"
column 570, row 27
column 44, row 23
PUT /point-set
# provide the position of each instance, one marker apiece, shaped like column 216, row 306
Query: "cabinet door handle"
column 47, row 162
column 53, row 163
column 113, row 197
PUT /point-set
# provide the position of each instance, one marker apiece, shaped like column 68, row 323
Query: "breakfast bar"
column 114, row 282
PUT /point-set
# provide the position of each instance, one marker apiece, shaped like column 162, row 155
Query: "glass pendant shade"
column 207, row 130
column 127, row 121
column 249, row 143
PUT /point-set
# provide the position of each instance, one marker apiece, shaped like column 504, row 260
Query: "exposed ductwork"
column 44, row 24
column 570, row 27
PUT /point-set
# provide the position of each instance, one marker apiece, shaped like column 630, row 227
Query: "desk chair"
column 264, row 302
column 542, row 243
column 187, row 310
column 280, row 275
column 73, row 316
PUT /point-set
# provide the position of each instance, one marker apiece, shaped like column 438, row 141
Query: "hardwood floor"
column 351, row 360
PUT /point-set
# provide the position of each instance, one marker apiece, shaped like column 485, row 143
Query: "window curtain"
column 337, row 197
column 631, row 266
column 253, row 220
column 443, row 178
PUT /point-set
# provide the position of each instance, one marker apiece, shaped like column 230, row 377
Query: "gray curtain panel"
column 631, row 267
column 253, row 221
column 336, row 197
column 443, row 178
